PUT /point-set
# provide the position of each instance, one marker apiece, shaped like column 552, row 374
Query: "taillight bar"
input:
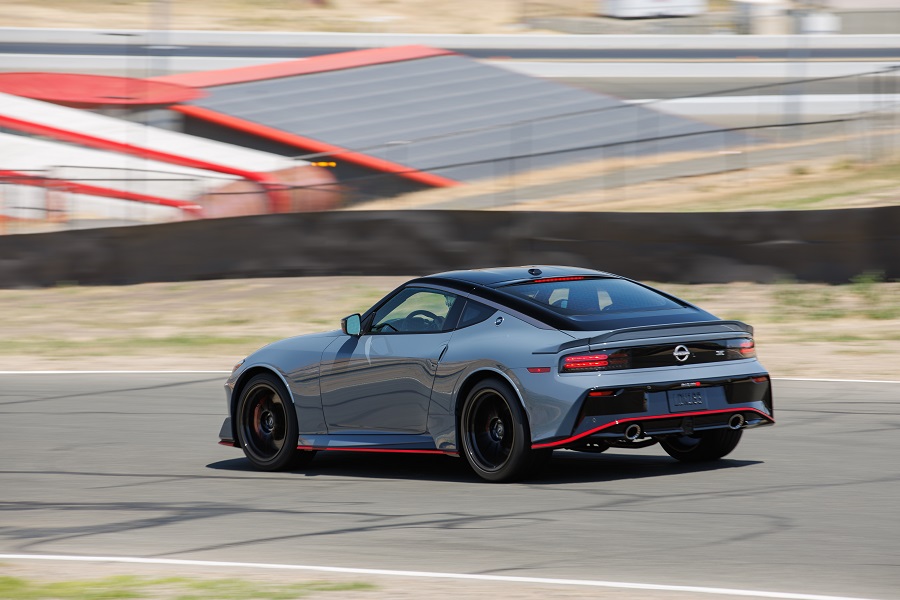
column 586, row 361
column 637, row 357
column 578, row 363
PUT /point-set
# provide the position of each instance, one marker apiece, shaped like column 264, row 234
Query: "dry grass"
column 392, row 16
column 838, row 182
column 802, row 329
column 803, row 185
column 395, row 16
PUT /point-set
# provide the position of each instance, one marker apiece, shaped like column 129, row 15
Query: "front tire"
column 267, row 427
column 702, row 446
column 494, row 433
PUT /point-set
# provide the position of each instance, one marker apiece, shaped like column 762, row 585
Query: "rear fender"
column 446, row 430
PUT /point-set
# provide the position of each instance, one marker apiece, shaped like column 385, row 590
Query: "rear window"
column 591, row 297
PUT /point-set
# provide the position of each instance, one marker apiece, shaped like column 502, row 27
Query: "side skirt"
column 401, row 444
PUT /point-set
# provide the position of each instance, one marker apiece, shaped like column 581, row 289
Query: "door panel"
column 380, row 383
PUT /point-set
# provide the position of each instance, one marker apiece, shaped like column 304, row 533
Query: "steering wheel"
column 436, row 321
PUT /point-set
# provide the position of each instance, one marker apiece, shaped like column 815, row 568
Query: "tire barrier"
column 815, row 246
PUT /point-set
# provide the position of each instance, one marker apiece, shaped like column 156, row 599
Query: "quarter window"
column 474, row 313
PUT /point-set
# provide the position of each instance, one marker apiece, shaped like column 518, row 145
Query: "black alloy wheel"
column 703, row 445
column 494, row 433
column 267, row 425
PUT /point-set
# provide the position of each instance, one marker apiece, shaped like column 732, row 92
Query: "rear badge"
column 681, row 353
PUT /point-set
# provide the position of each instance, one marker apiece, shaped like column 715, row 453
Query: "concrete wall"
column 826, row 246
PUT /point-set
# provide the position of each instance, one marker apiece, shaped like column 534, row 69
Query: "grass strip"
column 122, row 587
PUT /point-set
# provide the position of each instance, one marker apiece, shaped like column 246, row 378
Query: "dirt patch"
column 802, row 330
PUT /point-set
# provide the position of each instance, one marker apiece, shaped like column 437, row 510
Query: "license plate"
column 691, row 399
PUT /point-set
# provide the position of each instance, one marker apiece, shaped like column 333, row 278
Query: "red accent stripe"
column 272, row 187
column 316, row 146
column 569, row 440
column 93, row 190
column 303, row 66
column 391, row 450
column 227, row 443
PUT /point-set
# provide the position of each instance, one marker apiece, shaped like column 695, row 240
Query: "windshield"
column 575, row 297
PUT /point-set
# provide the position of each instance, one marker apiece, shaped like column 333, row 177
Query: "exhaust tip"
column 632, row 432
column 736, row 421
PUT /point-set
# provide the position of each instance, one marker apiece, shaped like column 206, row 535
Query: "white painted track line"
column 433, row 575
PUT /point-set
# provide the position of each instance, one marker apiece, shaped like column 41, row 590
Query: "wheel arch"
column 473, row 379
column 241, row 383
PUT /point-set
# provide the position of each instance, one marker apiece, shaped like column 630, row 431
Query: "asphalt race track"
column 127, row 465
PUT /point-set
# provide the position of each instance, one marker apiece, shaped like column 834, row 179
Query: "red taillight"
column 538, row 369
column 586, row 361
column 577, row 363
column 601, row 393
column 741, row 348
column 761, row 379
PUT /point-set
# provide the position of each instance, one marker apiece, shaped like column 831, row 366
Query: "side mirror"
column 351, row 325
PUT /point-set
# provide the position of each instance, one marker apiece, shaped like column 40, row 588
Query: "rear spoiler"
column 668, row 330
column 717, row 328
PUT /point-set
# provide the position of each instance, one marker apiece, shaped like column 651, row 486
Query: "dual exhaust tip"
column 634, row 431
column 736, row 421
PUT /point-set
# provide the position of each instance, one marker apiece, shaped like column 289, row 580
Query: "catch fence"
column 783, row 128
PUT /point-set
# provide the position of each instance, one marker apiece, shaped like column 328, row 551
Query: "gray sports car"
column 502, row 366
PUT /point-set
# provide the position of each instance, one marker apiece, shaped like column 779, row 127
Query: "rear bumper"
column 612, row 418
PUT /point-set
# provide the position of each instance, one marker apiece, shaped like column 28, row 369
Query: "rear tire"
column 494, row 433
column 702, row 446
column 267, row 427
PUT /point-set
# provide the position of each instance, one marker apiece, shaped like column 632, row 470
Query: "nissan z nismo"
column 502, row 366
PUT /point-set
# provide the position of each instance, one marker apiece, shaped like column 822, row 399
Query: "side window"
column 414, row 310
column 475, row 313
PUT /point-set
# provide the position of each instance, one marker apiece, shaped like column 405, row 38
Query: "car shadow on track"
column 579, row 467
column 566, row 467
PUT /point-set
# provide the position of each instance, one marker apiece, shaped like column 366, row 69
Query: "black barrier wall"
column 817, row 246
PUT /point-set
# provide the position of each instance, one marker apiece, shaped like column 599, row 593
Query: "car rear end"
column 636, row 385
column 643, row 367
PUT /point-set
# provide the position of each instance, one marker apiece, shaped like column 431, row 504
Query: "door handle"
column 432, row 363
